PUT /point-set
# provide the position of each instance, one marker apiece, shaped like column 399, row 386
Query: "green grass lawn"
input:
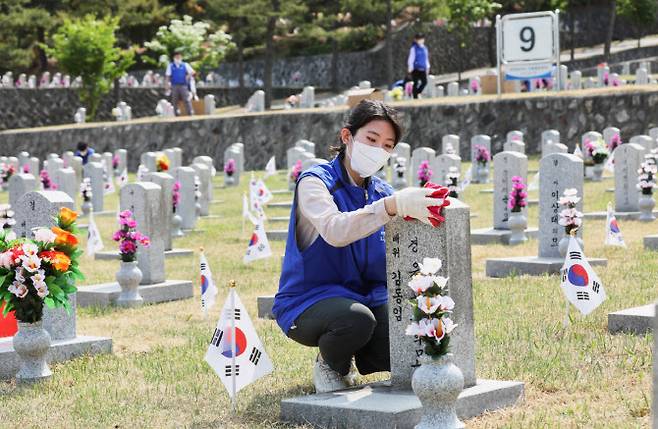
column 580, row 376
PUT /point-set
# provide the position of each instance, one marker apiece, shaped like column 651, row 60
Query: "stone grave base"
column 280, row 205
column 281, row 191
column 277, row 234
column 279, row 219
column 610, row 190
column 103, row 295
column 534, row 202
column 530, row 265
column 193, row 231
column 651, row 242
column 533, row 172
column 60, row 351
column 618, row 215
column 265, row 304
column 114, row 255
column 217, row 202
column 379, row 406
column 487, row 191
column 636, row 320
column 212, row 216
column 497, row 236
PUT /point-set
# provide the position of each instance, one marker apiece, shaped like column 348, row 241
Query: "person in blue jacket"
column 418, row 64
column 332, row 290
column 84, row 151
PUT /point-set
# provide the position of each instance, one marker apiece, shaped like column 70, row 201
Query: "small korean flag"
column 236, row 353
column 613, row 235
column 580, row 284
column 259, row 246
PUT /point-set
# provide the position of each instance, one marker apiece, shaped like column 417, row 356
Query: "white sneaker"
column 326, row 379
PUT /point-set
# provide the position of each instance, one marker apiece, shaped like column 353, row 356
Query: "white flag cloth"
column 610, row 163
column 94, row 240
column 259, row 246
column 123, row 178
column 109, row 180
column 259, row 194
column 246, row 211
column 467, row 179
column 208, row 288
column 613, row 235
column 580, row 284
column 534, row 183
column 236, row 353
column 577, row 151
column 270, row 168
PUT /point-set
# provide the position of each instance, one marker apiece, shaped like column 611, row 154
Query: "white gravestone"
column 628, row 158
column 450, row 141
column 441, row 166
column 187, row 205
column 419, row 155
column 19, row 185
column 94, row 171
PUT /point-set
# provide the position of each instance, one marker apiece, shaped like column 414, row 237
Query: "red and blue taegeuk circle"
column 614, row 226
column 578, row 275
column 240, row 342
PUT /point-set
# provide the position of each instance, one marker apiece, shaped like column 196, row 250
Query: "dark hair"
column 82, row 146
column 365, row 112
column 419, row 36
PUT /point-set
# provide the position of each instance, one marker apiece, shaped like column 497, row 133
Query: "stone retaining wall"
column 264, row 135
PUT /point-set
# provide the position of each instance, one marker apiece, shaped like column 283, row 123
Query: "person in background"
column 178, row 75
column 84, row 151
column 418, row 64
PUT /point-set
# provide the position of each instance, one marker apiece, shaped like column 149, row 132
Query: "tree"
column 642, row 13
column 463, row 15
column 199, row 47
column 244, row 21
column 21, row 26
column 610, row 31
column 87, row 48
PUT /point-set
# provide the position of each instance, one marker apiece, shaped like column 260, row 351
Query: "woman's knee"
column 360, row 320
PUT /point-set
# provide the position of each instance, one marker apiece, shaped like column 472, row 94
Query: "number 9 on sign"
column 528, row 38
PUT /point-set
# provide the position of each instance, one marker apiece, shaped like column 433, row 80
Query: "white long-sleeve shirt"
column 411, row 59
column 318, row 215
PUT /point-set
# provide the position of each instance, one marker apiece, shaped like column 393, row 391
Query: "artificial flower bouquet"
column 596, row 150
column 424, row 173
column 40, row 270
column 518, row 198
column 296, row 171
column 570, row 217
column 482, row 155
column 162, row 163
column 647, row 175
column 175, row 195
column 431, row 308
column 128, row 237
column 229, row 167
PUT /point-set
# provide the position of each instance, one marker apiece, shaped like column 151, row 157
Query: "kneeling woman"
column 332, row 291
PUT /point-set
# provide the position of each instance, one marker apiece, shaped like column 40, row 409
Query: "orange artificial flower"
column 163, row 163
column 67, row 215
column 57, row 259
column 64, row 238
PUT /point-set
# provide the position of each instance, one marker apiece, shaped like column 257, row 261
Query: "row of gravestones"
column 301, row 155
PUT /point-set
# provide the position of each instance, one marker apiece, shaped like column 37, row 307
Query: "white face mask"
column 367, row 160
column 177, row 61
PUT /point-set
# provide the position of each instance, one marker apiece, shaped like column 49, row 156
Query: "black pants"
column 420, row 81
column 343, row 328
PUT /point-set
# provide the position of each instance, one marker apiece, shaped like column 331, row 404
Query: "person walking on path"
column 178, row 76
column 418, row 64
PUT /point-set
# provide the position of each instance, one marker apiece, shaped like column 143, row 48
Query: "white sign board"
column 528, row 38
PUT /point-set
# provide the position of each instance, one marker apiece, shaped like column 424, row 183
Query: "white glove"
column 413, row 202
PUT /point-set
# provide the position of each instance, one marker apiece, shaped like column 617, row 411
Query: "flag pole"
column 231, row 286
column 572, row 233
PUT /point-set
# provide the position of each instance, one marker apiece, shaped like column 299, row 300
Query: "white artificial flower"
column 420, row 284
column 11, row 236
column 429, row 304
column 430, row 266
column 18, row 289
column 42, row 289
column 447, row 304
column 448, row 324
column 44, row 235
column 32, row 263
column 413, row 328
column 29, row 249
column 6, row 259
column 19, row 275
column 39, row 276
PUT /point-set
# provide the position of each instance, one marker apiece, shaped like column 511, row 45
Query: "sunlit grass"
column 575, row 377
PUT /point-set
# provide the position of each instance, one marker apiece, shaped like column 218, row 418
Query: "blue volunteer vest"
column 321, row 271
column 420, row 57
column 178, row 74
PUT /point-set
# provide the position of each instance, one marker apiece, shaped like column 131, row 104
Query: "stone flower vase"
column 229, row 180
column 176, row 222
column 32, row 342
column 482, row 173
column 86, row 207
column 646, row 204
column 517, row 224
column 438, row 383
column 597, row 172
column 128, row 277
column 563, row 245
